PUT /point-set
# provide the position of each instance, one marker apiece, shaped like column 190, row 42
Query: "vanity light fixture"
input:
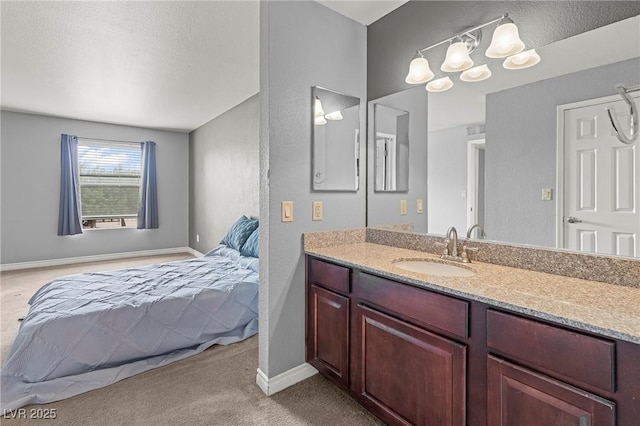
column 505, row 43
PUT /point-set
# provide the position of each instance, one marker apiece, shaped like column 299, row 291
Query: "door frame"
column 473, row 146
column 560, row 145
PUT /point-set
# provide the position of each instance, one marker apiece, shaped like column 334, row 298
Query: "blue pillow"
column 239, row 232
column 250, row 247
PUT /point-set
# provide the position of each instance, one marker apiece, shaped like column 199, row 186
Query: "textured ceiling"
column 167, row 65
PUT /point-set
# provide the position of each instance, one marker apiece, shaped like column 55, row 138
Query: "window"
column 109, row 183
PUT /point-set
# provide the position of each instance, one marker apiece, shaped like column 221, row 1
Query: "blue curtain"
column 148, row 204
column 70, row 214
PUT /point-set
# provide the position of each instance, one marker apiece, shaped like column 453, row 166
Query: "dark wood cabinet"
column 328, row 319
column 328, row 334
column 408, row 375
column 416, row 356
column 519, row 396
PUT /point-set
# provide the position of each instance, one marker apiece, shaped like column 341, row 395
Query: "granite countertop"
column 607, row 309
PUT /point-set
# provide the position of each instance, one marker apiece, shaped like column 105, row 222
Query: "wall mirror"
column 336, row 141
column 496, row 153
column 391, row 158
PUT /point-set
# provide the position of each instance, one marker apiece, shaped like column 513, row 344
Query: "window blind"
column 109, row 177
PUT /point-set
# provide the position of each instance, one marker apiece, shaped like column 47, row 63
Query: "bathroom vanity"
column 503, row 347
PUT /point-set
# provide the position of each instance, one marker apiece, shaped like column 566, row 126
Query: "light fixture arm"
column 633, row 131
column 466, row 31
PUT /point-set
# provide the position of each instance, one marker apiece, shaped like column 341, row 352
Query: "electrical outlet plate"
column 317, row 210
column 287, row 211
column 420, row 206
column 403, row 207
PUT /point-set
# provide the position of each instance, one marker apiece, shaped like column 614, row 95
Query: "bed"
column 86, row 331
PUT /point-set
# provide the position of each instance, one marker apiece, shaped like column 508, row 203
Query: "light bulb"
column 317, row 109
column 440, row 85
column 419, row 71
column 457, row 58
column 478, row 73
column 505, row 41
column 522, row 60
column 335, row 115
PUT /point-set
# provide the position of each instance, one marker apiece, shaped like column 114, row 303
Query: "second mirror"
column 391, row 167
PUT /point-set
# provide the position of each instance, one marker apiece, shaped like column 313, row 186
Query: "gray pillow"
column 239, row 232
column 250, row 247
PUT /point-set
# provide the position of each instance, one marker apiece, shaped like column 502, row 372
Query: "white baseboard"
column 282, row 381
column 96, row 258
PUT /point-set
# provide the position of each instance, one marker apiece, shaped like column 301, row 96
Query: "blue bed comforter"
column 86, row 331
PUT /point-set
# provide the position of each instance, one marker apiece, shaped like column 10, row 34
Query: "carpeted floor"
column 215, row 387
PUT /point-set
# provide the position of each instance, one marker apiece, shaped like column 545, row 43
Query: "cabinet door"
column 328, row 334
column 518, row 396
column 408, row 375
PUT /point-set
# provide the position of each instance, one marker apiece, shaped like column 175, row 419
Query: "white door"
column 601, row 183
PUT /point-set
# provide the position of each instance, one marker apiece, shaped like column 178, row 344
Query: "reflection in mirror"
column 336, row 141
column 513, row 126
column 391, row 169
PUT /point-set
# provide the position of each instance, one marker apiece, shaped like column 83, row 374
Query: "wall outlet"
column 287, row 211
column 317, row 210
column 420, row 206
column 403, row 207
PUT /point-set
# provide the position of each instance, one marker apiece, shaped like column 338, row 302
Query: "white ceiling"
column 167, row 65
column 363, row 11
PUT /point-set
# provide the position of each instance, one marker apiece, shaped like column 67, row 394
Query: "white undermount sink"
column 430, row 267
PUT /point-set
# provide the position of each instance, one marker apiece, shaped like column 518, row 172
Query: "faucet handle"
column 445, row 247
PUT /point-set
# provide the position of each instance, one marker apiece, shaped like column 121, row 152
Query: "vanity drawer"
column 329, row 275
column 553, row 350
column 426, row 308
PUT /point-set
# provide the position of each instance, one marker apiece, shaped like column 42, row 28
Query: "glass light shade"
column 335, row 115
column 479, row 73
column 457, row 58
column 319, row 120
column 317, row 109
column 522, row 60
column 505, row 42
column 440, row 85
column 419, row 71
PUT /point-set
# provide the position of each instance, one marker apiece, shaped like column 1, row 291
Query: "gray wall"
column 383, row 208
column 521, row 144
column 393, row 40
column 302, row 44
column 447, row 179
column 223, row 173
column 30, row 179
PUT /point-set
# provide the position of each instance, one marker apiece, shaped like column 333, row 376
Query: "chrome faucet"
column 453, row 253
column 454, row 247
column 472, row 227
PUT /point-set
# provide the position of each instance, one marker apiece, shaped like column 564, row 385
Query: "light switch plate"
column 547, row 194
column 317, row 210
column 287, row 211
column 420, row 206
column 403, row 207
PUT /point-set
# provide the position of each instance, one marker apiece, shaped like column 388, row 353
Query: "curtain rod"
column 107, row 140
